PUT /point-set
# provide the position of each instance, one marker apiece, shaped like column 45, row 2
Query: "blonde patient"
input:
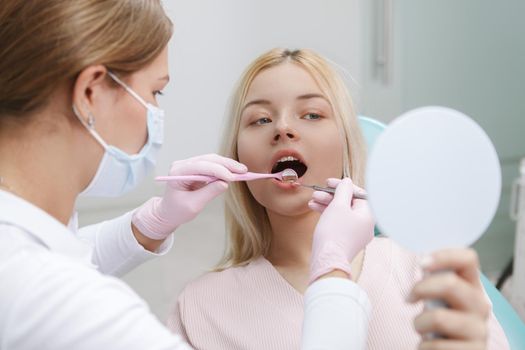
column 292, row 110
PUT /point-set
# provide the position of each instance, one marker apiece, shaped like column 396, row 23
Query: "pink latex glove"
column 344, row 228
column 183, row 201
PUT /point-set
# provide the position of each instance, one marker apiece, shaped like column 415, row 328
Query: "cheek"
column 252, row 154
column 332, row 149
column 132, row 128
column 326, row 154
column 251, row 151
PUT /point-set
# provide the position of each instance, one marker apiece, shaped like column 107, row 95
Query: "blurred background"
column 395, row 56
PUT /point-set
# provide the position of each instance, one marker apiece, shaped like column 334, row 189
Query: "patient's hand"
column 464, row 324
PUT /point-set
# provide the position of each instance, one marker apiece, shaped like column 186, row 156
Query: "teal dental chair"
column 508, row 318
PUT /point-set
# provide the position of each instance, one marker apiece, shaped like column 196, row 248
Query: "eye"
column 158, row 93
column 262, row 121
column 312, row 116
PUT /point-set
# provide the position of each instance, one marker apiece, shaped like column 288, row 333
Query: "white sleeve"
column 62, row 305
column 115, row 248
column 336, row 316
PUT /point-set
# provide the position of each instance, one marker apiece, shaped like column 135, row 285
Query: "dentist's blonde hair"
column 45, row 44
column 247, row 222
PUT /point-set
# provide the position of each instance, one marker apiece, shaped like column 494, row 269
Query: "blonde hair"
column 44, row 43
column 247, row 222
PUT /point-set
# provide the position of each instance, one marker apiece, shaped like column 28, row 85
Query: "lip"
column 286, row 153
column 285, row 186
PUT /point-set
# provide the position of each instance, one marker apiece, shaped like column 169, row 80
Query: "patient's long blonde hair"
column 247, row 222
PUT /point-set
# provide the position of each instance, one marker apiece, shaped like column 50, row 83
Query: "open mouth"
column 290, row 162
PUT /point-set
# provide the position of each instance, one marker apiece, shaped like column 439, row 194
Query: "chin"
column 288, row 205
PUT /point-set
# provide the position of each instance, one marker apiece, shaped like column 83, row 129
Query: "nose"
column 284, row 131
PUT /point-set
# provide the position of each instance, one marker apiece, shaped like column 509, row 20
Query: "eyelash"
column 316, row 114
column 158, row 93
column 257, row 122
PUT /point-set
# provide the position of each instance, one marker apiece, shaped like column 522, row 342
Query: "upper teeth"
column 287, row 159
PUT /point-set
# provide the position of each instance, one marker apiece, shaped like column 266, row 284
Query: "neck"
column 291, row 248
column 291, row 239
column 38, row 164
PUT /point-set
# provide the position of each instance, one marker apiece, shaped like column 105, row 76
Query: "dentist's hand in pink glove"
column 343, row 230
column 183, row 201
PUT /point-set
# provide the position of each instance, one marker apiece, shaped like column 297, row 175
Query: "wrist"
column 337, row 274
column 329, row 258
column 148, row 221
column 148, row 243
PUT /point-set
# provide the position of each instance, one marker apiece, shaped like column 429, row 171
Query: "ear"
column 89, row 86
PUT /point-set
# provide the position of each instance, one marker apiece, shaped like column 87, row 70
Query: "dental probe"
column 290, row 176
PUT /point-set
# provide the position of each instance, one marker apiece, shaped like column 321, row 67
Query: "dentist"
column 79, row 116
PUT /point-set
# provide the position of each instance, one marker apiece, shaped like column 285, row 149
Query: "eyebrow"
column 256, row 102
column 166, row 78
column 309, row 96
column 266, row 102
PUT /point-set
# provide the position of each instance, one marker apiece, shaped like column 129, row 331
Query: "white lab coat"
column 57, row 290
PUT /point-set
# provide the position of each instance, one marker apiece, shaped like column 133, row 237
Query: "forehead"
column 286, row 80
column 159, row 66
column 160, row 63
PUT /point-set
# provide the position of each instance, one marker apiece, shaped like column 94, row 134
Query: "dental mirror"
column 433, row 180
column 289, row 176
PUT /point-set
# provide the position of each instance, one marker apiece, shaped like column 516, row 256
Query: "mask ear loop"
column 128, row 89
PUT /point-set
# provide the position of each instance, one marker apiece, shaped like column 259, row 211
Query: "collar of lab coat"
column 43, row 227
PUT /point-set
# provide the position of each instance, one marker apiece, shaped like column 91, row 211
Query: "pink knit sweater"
column 253, row 307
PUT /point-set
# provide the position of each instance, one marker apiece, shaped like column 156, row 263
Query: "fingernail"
column 426, row 261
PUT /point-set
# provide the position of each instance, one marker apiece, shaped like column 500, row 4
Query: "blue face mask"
column 119, row 172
